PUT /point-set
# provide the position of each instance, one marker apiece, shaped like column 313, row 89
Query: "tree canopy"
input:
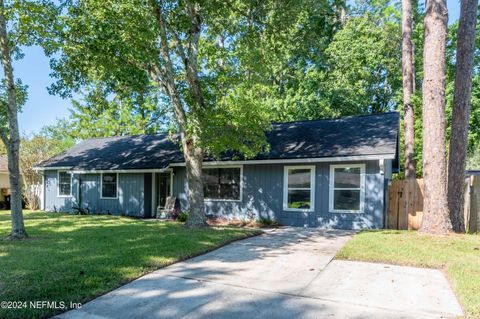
column 259, row 62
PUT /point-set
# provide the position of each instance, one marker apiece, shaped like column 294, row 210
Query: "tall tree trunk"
column 461, row 112
column 11, row 138
column 194, row 163
column 193, row 154
column 408, row 87
column 164, row 77
column 436, row 219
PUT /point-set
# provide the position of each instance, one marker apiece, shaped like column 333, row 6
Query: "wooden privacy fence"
column 405, row 204
column 472, row 204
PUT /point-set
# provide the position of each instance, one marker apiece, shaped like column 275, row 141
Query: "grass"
column 457, row 255
column 76, row 258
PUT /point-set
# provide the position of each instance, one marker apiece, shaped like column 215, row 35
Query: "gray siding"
column 263, row 196
column 147, row 195
column 180, row 187
column 388, row 169
column 130, row 200
column 53, row 202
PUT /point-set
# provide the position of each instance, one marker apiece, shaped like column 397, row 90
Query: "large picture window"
column 64, row 184
column 347, row 188
column 298, row 188
column 222, row 183
column 109, row 185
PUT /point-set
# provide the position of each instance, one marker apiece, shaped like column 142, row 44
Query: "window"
column 109, row 185
column 347, row 188
column 222, row 183
column 298, row 188
column 64, row 184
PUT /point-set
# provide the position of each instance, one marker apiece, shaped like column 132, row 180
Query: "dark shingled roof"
column 348, row 136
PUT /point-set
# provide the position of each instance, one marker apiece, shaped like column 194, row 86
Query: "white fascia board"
column 242, row 162
column 61, row 168
column 94, row 171
column 298, row 160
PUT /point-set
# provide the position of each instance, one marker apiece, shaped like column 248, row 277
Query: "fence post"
column 473, row 225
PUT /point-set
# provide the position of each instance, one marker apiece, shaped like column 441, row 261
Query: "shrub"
column 473, row 161
column 79, row 210
column 267, row 222
column 182, row 217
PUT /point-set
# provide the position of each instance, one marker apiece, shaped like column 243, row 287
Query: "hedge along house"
column 330, row 173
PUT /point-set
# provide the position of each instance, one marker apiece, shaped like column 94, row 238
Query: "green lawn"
column 458, row 255
column 75, row 258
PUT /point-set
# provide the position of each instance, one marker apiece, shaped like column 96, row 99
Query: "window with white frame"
column 64, row 184
column 222, row 183
column 109, row 185
column 298, row 188
column 347, row 188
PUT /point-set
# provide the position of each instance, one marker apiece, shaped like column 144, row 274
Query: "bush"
column 473, row 161
column 79, row 210
column 267, row 222
column 182, row 217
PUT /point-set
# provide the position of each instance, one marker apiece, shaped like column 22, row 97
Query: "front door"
column 163, row 183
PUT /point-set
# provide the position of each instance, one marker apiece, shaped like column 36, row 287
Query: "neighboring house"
column 324, row 173
column 4, row 180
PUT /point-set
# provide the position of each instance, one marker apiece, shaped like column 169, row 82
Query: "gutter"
column 240, row 162
column 297, row 160
column 79, row 171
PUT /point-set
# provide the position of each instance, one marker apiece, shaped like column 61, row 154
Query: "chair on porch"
column 171, row 209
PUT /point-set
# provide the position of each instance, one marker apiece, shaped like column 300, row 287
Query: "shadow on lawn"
column 77, row 260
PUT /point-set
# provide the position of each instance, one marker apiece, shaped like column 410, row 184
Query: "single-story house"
column 331, row 173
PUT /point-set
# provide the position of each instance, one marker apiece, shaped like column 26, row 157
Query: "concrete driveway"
column 285, row 273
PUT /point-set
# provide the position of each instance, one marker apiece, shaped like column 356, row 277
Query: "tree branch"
column 180, row 48
column 4, row 136
column 165, row 77
column 192, row 67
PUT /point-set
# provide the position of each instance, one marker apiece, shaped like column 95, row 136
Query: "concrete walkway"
column 286, row 273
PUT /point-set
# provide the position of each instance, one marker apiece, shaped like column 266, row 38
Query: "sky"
column 44, row 109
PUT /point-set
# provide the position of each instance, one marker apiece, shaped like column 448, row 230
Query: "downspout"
column 44, row 196
column 381, row 163
column 79, row 191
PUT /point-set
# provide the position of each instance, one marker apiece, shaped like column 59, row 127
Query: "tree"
column 127, row 113
column 175, row 46
column 474, row 160
column 9, row 133
column 436, row 219
column 33, row 150
column 361, row 73
column 461, row 112
column 290, row 40
column 474, row 121
column 60, row 132
column 22, row 23
column 408, row 88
